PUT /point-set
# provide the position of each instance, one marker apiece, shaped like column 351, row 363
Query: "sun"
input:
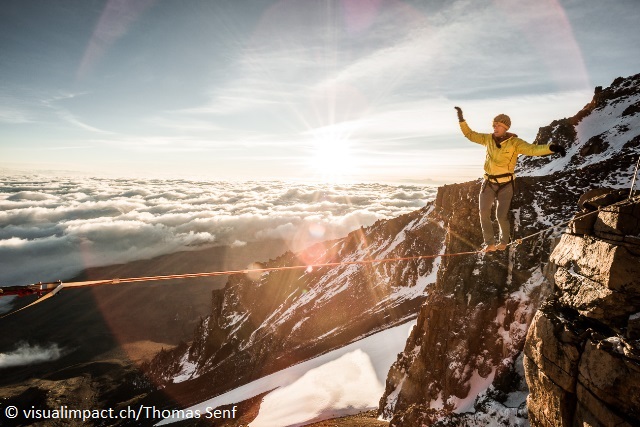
column 332, row 159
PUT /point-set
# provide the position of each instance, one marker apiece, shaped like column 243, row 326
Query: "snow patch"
column 606, row 122
column 617, row 344
column 495, row 414
column 234, row 318
column 438, row 403
column 478, row 385
column 392, row 399
column 297, row 325
column 422, row 282
column 187, row 371
column 400, row 237
column 534, row 282
column 320, row 395
column 515, row 399
column 542, row 217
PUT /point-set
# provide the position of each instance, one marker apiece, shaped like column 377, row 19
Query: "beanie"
column 503, row 119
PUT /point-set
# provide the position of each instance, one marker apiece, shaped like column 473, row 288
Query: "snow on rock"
column 598, row 133
column 187, row 370
column 477, row 384
column 392, row 398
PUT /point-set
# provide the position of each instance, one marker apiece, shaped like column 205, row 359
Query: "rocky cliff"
column 463, row 363
column 582, row 353
column 472, row 327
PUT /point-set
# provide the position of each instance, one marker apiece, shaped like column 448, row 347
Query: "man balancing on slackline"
column 498, row 185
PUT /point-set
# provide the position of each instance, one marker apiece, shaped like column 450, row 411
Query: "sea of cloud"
column 51, row 228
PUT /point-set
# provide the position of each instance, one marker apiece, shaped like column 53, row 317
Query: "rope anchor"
column 633, row 181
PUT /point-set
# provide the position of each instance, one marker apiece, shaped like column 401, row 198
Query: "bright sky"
column 294, row 89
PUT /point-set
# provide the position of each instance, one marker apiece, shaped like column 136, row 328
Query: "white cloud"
column 6, row 304
column 13, row 115
column 52, row 229
column 26, row 354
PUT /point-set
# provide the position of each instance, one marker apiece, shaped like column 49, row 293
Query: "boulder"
column 618, row 221
column 583, row 352
column 584, row 200
column 549, row 404
column 601, row 197
column 592, row 412
column 554, row 348
column 611, row 377
column 613, row 266
column 582, row 223
column 593, row 300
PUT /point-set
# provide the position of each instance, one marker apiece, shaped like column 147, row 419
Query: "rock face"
column 582, row 353
column 464, row 364
column 471, row 329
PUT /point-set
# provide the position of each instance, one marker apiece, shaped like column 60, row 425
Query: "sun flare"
column 332, row 158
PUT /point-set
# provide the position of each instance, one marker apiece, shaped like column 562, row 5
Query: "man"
column 498, row 185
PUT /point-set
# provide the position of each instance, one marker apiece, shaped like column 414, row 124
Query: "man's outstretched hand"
column 459, row 110
column 558, row 149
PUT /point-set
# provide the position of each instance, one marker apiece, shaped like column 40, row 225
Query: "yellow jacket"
column 502, row 160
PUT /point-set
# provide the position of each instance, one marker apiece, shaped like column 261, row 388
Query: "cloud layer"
column 51, row 228
column 26, row 354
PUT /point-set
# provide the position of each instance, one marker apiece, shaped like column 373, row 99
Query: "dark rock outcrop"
column 471, row 329
column 605, row 127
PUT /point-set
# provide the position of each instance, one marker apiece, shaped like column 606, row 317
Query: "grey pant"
column 502, row 193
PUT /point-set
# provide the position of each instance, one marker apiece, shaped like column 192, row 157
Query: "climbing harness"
column 493, row 180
